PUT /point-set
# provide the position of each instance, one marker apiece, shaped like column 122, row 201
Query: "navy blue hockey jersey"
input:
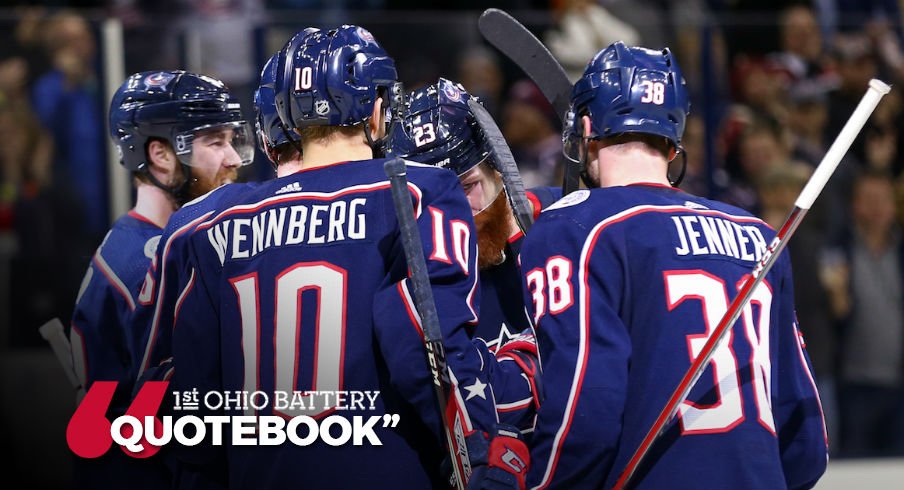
column 299, row 284
column 503, row 319
column 626, row 284
column 102, row 341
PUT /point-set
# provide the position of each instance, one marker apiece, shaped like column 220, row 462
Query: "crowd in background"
column 774, row 83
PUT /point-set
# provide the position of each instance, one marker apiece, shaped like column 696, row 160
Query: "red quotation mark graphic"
column 88, row 433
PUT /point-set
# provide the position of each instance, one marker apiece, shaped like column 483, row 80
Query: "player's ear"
column 162, row 159
column 585, row 122
column 377, row 120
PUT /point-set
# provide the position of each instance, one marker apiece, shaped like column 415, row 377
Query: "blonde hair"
column 325, row 133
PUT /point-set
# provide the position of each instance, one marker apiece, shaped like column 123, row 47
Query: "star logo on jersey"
column 158, row 80
column 477, row 388
column 505, row 336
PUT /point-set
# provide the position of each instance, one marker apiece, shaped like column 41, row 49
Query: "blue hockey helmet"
column 173, row 106
column 271, row 133
column 333, row 78
column 628, row 90
column 437, row 128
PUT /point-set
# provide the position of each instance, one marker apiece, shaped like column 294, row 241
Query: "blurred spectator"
column 531, row 128
column 46, row 221
column 582, row 28
column 807, row 119
column 759, row 96
column 480, row 74
column 855, row 15
column 26, row 42
column 696, row 181
column 872, row 355
column 802, row 53
column 750, row 26
column 762, row 146
column 67, row 101
column 857, row 63
column 883, row 134
column 778, row 189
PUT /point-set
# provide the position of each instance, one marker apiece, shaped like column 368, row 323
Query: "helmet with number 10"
column 628, row 90
column 333, row 78
column 271, row 133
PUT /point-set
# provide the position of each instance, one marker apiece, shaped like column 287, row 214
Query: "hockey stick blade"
column 426, row 309
column 877, row 89
column 517, row 43
column 502, row 154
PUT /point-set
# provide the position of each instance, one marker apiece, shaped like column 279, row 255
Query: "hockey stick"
column 877, row 89
column 54, row 333
column 502, row 154
column 426, row 308
column 516, row 42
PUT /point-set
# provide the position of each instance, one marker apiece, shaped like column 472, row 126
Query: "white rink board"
column 866, row 474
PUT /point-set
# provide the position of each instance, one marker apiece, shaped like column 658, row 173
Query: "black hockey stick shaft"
column 520, row 45
column 426, row 308
column 877, row 89
column 502, row 154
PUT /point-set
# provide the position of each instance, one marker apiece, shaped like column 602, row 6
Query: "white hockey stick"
column 877, row 89
column 54, row 333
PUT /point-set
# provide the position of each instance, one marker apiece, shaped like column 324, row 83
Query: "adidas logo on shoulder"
column 293, row 187
column 694, row 205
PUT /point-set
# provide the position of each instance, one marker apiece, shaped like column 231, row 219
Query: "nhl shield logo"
column 322, row 107
column 159, row 79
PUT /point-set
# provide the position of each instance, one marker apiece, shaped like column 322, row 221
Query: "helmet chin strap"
column 375, row 145
column 179, row 192
column 677, row 181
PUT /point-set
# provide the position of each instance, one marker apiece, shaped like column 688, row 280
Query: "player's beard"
column 493, row 232
column 201, row 185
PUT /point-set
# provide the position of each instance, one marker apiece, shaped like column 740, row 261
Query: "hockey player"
column 153, row 338
column 280, row 144
column 438, row 129
column 626, row 281
column 298, row 285
column 180, row 135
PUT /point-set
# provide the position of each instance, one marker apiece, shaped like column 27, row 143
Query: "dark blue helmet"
column 629, row 90
column 271, row 133
column 332, row 78
column 172, row 105
column 437, row 128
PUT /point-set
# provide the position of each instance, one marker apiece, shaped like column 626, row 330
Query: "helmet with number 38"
column 628, row 90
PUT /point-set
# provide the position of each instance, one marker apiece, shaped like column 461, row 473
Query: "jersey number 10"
column 329, row 282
